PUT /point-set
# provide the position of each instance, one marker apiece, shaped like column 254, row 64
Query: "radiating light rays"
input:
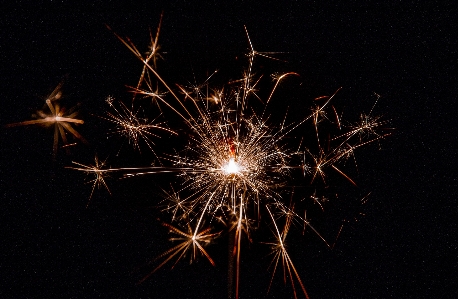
column 153, row 53
column 234, row 157
column 342, row 146
column 151, row 56
column 214, row 172
column 192, row 242
column 217, row 141
column 175, row 205
column 133, row 127
column 55, row 115
column 280, row 254
column 366, row 129
column 96, row 170
column 236, row 162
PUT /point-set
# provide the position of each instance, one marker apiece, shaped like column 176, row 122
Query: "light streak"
column 280, row 254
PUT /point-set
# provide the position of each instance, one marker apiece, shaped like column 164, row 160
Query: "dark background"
column 405, row 246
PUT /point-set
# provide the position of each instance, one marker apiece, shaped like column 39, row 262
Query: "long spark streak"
column 282, row 254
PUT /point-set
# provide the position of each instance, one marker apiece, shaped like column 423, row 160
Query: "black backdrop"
column 404, row 247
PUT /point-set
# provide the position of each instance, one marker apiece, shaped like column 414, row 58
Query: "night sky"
column 405, row 246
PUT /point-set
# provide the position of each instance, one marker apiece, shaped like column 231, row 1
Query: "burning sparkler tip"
column 232, row 167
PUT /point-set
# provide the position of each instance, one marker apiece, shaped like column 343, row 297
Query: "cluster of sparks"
column 235, row 165
column 134, row 128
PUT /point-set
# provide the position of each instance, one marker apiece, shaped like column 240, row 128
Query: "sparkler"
column 236, row 165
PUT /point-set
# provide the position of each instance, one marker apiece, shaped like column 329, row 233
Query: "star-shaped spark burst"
column 133, row 127
column 98, row 172
column 152, row 55
column 55, row 115
column 191, row 241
